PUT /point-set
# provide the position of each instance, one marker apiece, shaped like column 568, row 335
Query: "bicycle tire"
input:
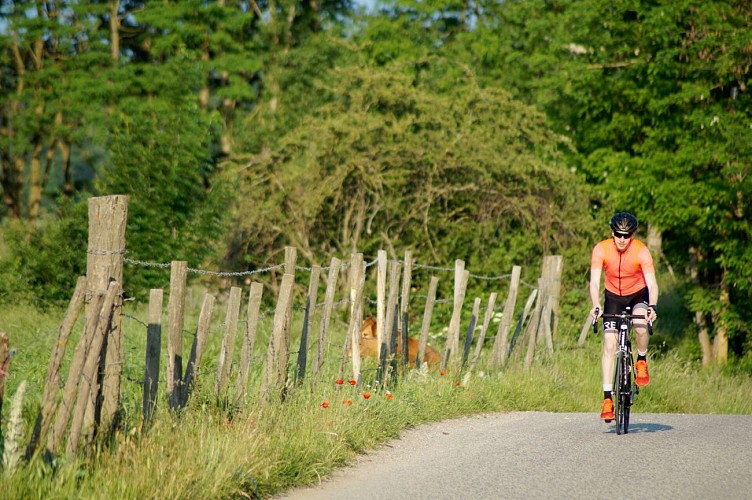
column 618, row 400
column 628, row 394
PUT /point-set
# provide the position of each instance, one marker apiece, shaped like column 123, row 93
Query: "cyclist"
column 630, row 282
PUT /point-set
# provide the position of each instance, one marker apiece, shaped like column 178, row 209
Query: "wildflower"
column 353, row 382
column 389, row 395
column 340, row 381
column 441, row 373
column 325, row 404
column 348, row 402
column 457, row 383
column 366, row 395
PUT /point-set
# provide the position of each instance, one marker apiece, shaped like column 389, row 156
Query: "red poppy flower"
column 441, row 373
column 366, row 395
column 389, row 395
column 348, row 402
column 352, row 382
column 325, row 404
column 457, row 384
column 340, row 381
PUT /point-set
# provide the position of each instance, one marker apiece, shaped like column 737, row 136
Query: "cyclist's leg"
column 640, row 307
column 611, row 305
column 642, row 337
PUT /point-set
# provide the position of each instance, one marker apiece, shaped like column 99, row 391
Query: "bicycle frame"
column 624, row 390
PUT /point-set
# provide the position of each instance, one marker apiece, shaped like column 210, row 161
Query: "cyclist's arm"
column 652, row 287
column 595, row 288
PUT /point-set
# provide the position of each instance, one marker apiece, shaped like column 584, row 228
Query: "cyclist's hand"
column 595, row 312
column 651, row 314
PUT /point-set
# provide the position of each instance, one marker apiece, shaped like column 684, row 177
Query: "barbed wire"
column 344, row 266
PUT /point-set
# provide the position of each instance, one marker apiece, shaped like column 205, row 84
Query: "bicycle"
column 624, row 389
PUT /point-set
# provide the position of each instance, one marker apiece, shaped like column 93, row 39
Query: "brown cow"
column 369, row 345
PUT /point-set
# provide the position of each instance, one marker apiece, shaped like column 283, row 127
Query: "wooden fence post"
column 555, row 288
column 521, row 321
column 352, row 340
column 501, row 343
column 176, row 320
column 380, row 302
column 108, row 216
column 426, row 325
column 52, row 382
column 461, row 277
column 271, row 376
column 153, row 353
column 65, row 408
column 249, row 339
column 313, row 288
column 228, row 341
column 405, row 302
column 484, row 328
column 531, row 332
column 197, row 348
column 331, row 288
column 87, row 387
column 470, row 331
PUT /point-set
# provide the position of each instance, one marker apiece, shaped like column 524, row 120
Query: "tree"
column 410, row 156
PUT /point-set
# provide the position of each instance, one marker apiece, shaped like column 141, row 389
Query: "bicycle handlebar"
column 621, row 316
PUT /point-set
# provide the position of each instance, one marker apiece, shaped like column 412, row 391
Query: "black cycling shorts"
column 615, row 304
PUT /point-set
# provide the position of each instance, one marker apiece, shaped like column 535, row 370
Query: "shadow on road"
column 636, row 427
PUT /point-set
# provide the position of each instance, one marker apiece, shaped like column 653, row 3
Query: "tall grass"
column 217, row 449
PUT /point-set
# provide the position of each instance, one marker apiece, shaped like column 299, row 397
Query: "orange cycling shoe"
column 643, row 377
column 607, row 413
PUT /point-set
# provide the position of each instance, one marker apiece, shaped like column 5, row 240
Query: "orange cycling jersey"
column 625, row 271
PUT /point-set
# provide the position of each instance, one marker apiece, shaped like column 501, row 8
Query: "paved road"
column 555, row 455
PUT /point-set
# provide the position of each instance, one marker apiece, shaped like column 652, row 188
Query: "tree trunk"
column 114, row 30
column 720, row 342
column 704, row 338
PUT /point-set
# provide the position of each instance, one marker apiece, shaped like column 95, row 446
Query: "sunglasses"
column 624, row 236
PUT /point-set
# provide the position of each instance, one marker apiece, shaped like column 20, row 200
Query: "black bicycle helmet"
column 624, row 222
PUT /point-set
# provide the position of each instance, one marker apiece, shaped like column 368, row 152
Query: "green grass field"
column 215, row 449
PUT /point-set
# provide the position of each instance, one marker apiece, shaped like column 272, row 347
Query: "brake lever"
column 595, row 321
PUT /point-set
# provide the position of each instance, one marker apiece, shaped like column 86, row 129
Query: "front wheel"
column 623, row 389
column 618, row 392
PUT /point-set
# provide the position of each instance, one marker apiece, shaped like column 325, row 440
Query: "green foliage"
column 160, row 159
column 44, row 260
column 398, row 157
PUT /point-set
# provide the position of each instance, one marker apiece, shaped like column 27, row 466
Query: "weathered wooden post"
column 313, row 288
column 197, row 347
column 176, row 320
column 52, row 382
column 331, row 289
column 271, row 379
column 484, row 328
column 108, row 216
column 521, row 321
column 65, row 408
column 392, row 318
column 531, row 333
column 249, row 339
column 381, row 311
column 87, row 386
column 461, row 277
column 153, row 353
column 228, row 341
column 426, row 325
column 407, row 276
column 470, row 331
column 501, row 343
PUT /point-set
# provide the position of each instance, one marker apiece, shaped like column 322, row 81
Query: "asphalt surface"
column 554, row 455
